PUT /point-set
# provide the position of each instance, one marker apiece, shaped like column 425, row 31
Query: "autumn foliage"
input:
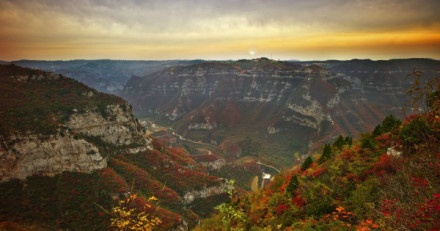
column 358, row 185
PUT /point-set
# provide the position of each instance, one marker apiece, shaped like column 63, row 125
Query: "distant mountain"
column 108, row 76
column 69, row 153
column 279, row 107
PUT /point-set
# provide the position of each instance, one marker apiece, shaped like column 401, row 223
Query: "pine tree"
column 339, row 142
column 306, row 163
column 325, row 154
column 293, row 185
column 348, row 141
column 377, row 130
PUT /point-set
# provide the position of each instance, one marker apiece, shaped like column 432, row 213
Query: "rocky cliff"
column 75, row 124
column 284, row 106
column 66, row 148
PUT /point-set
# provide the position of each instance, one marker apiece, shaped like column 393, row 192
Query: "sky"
column 219, row 29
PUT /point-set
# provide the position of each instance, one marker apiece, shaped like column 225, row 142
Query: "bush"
column 389, row 124
column 415, row 132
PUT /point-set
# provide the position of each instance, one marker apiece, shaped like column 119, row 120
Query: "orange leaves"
column 340, row 209
column 347, row 219
column 367, row 225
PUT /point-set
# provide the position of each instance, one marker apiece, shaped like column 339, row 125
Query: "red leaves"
column 423, row 215
column 319, row 171
column 144, row 181
column 280, row 209
column 384, row 165
column 420, row 182
column 113, row 180
column 298, row 201
column 348, row 154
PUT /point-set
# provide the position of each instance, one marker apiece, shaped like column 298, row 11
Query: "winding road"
column 269, row 166
column 192, row 141
column 199, row 142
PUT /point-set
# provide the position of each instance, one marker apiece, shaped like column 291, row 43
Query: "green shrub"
column 319, row 207
column 367, row 141
column 415, row 132
column 362, row 199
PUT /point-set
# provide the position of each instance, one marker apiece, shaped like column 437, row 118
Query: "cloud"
column 175, row 23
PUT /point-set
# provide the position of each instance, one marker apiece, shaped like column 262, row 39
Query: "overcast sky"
column 219, row 29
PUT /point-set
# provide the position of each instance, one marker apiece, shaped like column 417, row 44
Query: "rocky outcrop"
column 118, row 127
column 213, row 165
column 32, row 153
column 27, row 155
column 204, row 193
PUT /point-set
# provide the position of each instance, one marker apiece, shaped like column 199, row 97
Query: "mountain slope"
column 386, row 180
column 70, row 153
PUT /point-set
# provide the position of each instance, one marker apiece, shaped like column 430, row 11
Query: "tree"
column 325, row 154
column 293, row 185
column 348, row 140
column 415, row 132
column 421, row 94
column 377, row 130
column 306, row 164
column 367, row 142
column 339, row 142
column 390, row 123
column 231, row 214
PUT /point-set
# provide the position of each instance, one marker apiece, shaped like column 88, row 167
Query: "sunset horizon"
column 176, row 30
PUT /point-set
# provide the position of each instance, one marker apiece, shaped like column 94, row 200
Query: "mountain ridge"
column 320, row 100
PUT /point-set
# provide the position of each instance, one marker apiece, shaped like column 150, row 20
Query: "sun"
column 252, row 52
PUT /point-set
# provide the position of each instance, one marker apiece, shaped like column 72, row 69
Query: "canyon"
column 284, row 107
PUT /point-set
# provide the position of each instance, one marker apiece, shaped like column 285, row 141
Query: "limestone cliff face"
column 28, row 154
column 176, row 92
column 35, row 154
column 119, row 127
column 306, row 103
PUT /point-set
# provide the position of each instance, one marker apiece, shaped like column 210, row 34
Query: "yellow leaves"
column 128, row 216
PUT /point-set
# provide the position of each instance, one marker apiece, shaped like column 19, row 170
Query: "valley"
column 232, row 115
column 202, row 123
column 276, row 108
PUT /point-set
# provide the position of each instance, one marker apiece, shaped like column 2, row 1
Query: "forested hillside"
column 388, row 179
